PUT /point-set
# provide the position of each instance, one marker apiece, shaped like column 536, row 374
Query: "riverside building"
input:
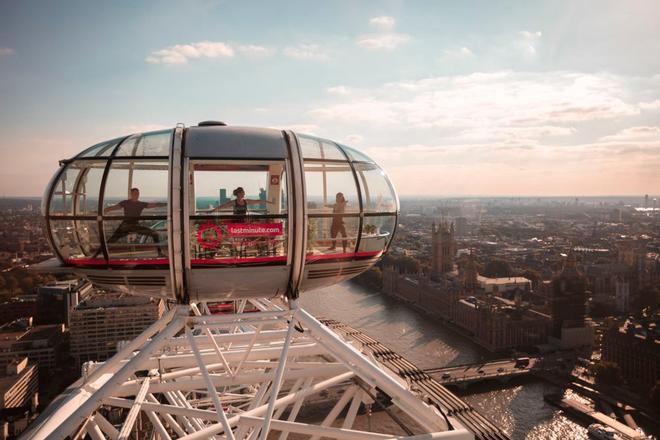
column 99, row 323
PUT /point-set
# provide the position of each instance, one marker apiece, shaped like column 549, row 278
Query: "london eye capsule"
column 213, row 212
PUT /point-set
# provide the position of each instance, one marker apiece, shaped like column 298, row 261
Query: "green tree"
column 534, row 276
column 498, row 268
column 27, row 284
column 408, row 264
column 12, row 284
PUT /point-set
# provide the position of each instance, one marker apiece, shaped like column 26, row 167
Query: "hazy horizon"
column 507, row 99
column 451, row 197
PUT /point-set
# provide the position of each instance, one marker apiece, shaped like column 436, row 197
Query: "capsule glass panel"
column 64, row 191
column 89, row 187
column 148, row 177
column 135, row 210
column 103, row 149
column 156, row 143
column 377, row 231
column 63, row 232
column 355, row 155
column 326, row 183
column 332, row 236
column 377, row 192
column 238, row 213
column 313, row 148
column 136, row 239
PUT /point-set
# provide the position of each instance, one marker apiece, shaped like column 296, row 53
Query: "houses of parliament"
column 494, row 312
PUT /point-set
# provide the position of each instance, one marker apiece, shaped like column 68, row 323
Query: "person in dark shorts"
column 338, row 227
column 133, row 208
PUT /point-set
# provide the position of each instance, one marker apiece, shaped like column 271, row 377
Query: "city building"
column 99, row 323
column 443, row 244
column 503, row 285
column 57, row 299
column 18, row 307
column 570, row 328
column 622, row 294
column 41, row 344
column 635, row 347
column 461, row 226
column 19, row 386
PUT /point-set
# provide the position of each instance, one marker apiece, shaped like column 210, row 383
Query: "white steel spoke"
column 314, row 430
column 234, row 377
column 106, row 426
column 352, row 410
column 296, row 408
column 168, row 418
column 295, row 387
column 134, row 411
column 339, row 406
column 94, row 431
column 257, row 332
column 209, row 385
column 278, row 380
column 158, row 425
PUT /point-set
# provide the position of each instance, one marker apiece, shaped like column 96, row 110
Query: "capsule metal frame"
column 300, row 264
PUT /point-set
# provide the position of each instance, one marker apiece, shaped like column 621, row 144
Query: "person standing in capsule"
column 338, row 227
column 240, row 204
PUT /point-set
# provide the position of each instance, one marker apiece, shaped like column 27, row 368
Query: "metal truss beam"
column 238, row 377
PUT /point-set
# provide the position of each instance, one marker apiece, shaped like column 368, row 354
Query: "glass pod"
column 215, row 212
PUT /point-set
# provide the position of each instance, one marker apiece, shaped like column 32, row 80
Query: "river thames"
column 518, row 408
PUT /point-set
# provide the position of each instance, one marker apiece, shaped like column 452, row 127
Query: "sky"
column 460, row 98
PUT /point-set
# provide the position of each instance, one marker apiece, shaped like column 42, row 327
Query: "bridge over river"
column 499, row 369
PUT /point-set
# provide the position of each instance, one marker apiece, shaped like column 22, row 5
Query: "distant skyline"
column 453, row 99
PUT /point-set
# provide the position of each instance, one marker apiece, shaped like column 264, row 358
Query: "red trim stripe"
column 343, row 256
column 217, row 261
column 103, row 262
column 235, row 260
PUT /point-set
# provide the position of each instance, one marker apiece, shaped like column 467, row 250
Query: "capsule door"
column 238, row 229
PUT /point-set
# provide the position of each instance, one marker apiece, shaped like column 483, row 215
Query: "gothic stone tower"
column 468, row 273
column 568, row 298
column 443, row 246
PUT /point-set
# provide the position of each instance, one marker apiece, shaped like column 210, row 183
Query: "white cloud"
column 387, row 41
column 182, row 53
column 498, row 99
column 306, row 52
column 521, row 168
column 652, row 105
column 338, row 90
column 528, row 42
column 354, row 139
column 6, row 51
column 461, row 53
column 635, row 133
column 255, row 51
column 519, row 133
column 465, row 51
column 383, row 23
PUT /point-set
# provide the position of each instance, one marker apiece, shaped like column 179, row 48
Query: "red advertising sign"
column 254, row 229
column 209, row 236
